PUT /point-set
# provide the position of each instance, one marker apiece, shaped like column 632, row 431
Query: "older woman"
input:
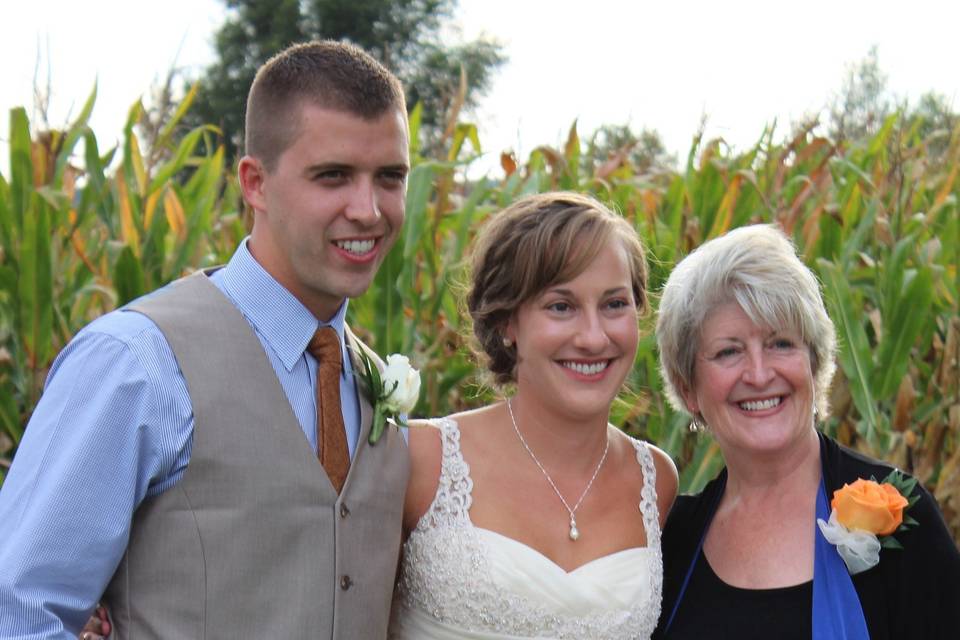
column 747, row 349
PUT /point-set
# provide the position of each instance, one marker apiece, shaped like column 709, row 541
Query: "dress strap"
column 451, row 504
column 648, row 495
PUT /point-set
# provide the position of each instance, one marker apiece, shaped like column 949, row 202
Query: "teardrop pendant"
column 574, row 532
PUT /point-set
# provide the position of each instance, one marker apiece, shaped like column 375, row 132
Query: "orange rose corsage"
column 869, row 506
column 864, row 517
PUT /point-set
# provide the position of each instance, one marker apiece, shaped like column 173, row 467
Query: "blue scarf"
column 836, row 607
column 836, row 611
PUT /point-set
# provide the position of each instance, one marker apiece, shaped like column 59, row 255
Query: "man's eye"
column 332, row 175
column 393, row 177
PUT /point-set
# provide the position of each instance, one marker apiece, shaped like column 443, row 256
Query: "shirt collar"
column 282, row 320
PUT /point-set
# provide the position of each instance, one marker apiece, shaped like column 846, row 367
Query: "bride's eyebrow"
column 569, row 292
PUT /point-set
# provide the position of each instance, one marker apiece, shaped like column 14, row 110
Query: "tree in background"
column 644, row 151
column 403, row 34
column 936, row 120
column 863, row 103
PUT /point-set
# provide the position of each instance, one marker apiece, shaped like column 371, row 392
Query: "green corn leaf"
column 178, row 161
column 854, row 354
column 128, row 277
column 414, row 120
column 163, row 138
column 706, row 463
column 861, row 235
column 9, row 414
column 8, row 227
column 911, row 315
column 78, row 129
column 21, row 165
column 892, row 270
column 35, row 284
column 419, row 190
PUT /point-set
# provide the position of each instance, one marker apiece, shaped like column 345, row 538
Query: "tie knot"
column 325, row 347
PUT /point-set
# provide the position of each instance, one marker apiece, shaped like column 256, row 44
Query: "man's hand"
column 98, row 626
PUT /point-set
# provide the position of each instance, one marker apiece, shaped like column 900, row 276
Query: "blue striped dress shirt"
column 114, row 426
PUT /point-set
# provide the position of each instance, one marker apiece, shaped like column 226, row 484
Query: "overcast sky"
column 661, row 64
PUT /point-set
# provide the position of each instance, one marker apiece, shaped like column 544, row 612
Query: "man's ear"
column 252, row 175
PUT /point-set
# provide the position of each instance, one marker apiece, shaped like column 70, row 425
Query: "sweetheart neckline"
column 548, row 560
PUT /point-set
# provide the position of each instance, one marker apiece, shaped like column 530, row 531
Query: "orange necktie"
column 331, row 434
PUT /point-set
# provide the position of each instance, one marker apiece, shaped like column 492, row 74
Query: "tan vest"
column 253, row 542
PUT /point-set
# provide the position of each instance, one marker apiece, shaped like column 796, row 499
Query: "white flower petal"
column 404, row 380
column 860, row 550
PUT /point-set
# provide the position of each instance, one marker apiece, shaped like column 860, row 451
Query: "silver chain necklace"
column 574, row 532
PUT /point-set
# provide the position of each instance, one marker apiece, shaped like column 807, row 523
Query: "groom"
column 172, row 462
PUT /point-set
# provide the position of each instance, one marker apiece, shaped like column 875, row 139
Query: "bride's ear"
column 509, row 332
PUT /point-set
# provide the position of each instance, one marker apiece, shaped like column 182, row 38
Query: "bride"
column 533, row 517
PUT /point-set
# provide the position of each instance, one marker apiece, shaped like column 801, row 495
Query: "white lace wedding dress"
column 461, row 581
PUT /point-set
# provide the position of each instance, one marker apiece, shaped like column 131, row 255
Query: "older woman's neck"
column 751, row 475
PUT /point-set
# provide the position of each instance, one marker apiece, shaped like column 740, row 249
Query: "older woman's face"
column 753, row 385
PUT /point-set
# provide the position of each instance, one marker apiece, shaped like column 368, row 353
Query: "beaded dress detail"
column 460, row 581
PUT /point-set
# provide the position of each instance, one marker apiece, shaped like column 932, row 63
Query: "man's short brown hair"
column 325, row 73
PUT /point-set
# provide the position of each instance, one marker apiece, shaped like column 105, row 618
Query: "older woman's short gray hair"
column 757, row 267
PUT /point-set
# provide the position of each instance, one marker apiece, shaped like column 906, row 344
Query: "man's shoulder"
column 121, row 324
column 127, row 325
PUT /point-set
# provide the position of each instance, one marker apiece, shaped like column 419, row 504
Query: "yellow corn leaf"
column 573, row 142
column 947, row 491
column 947, row 185
column 79, row 246
column 39, row 157
column 947, row 377
column 128, row 230
column 904, row 408
column 175, row 215
column 150, row 208
column 136, row 159
column 721, row 223
column 458, row 101
column 811, row 227
column 852, row 206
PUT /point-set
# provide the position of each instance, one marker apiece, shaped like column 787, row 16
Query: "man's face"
column 328, row 213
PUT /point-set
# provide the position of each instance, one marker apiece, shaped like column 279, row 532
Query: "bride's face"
column 576, row 341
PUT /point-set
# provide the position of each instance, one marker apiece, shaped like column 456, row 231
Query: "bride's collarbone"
column 522, row 506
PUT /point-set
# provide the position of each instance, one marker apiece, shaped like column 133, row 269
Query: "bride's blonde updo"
column 535, row 243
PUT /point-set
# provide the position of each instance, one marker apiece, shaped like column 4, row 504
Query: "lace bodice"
column 450, row 573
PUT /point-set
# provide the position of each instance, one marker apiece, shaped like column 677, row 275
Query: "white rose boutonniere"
column 392, row 392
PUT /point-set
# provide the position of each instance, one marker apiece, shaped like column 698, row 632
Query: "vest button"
column 345, row 582
column 344, row 511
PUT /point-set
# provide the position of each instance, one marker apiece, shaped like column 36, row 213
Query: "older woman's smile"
column 760, row 405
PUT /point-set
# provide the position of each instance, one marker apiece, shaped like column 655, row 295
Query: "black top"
column 711, row 608
column 913, row 592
